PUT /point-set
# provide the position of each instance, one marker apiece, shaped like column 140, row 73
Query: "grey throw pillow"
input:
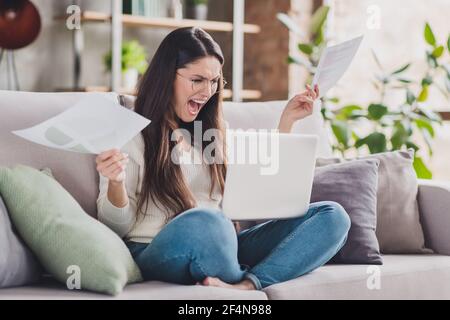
column 18, row 265
column 398, row 223
column 354, row 186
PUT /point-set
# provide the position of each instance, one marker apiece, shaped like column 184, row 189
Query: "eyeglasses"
column 199, row 84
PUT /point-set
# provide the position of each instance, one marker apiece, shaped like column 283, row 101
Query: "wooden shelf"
column 141, row 21
column 246, row 94
column 128, row 20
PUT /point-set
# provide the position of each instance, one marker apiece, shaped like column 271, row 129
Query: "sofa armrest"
column 434, row 207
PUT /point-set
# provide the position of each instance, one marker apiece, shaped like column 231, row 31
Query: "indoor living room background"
column 394, row 97
column 48, row 63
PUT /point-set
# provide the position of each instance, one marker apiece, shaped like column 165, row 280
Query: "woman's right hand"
column 111, row 164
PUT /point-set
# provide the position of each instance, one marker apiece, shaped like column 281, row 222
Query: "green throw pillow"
column 72, row 246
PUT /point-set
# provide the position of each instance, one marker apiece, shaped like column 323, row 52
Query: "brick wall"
column 265, row 66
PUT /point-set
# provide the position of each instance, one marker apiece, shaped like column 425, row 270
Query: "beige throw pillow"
column 398, row 223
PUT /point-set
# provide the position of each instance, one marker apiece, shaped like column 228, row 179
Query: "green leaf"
column 448, row 43
column 133, row 55
column 347, row 111
column 399, row 137
column 355, row 136
column 324, row 113
column 318, row 19
column 410, row 98
column 423, row 96
column 334, row 100
column 406, row 123
column 327, row 114
column 341, row 132
column 192, row 3
column 360, row 142
column 421, row 169
column 319, row 38
column 431, row 60
column 428, row 80
column 402, row 69
column 412, row 145
column 305, row 48
column 424, row 124
column 375, row 141
column 377, row 111
column 405, row 81
column 429, row 35
column 438, row 52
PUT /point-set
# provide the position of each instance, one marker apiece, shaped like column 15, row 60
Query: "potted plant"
column 197, row 9
column 134, row 63
column 390, row 127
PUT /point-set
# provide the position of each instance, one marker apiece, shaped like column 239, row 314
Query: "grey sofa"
column 401, row 276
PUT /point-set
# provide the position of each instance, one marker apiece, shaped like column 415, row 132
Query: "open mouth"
column 195, row 106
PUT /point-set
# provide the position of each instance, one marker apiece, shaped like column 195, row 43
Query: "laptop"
column 269, row 174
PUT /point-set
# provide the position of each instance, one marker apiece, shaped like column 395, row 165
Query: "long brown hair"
column 163, row 181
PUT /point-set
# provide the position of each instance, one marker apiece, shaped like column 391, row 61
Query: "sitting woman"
column 170, row 214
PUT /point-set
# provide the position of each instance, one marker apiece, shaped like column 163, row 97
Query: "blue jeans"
column 202, row 242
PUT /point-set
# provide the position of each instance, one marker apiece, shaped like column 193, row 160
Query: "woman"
column 170, row 213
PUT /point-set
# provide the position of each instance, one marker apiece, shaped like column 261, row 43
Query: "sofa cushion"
column 72, row 246
column 354, row 186
column 434, row 203
column 400, row 277
column 398, row 224
column 75, row 171
column 152, row 290
column 18, row 266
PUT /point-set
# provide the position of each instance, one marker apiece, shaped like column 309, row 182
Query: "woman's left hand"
column 299, row 107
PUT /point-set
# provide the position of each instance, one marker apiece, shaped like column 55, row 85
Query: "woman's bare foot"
column 216, row 282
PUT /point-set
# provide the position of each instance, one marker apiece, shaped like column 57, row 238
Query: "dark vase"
column 197, row 12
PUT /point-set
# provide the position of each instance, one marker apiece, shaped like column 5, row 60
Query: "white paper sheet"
column 333, row 63
column 93, row 125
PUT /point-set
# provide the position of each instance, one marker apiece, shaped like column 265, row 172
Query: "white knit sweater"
column 122, row 220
